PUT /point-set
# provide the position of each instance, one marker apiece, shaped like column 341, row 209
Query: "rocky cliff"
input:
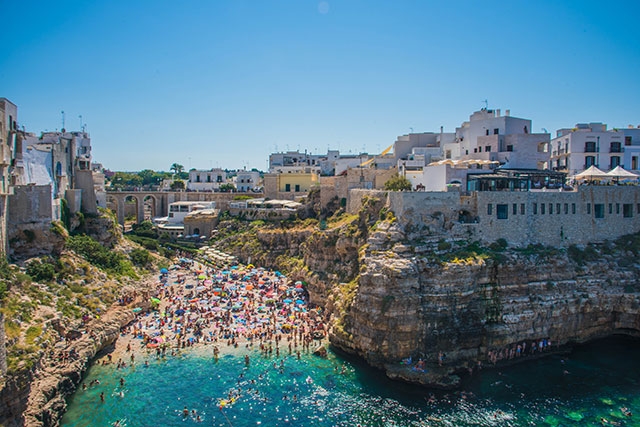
column 37, row 397
column 459, row 306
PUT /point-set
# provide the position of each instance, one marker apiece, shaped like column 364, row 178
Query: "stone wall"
column 556, row 218
column 29, row 222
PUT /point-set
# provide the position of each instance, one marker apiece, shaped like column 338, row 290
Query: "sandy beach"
column 218, row 311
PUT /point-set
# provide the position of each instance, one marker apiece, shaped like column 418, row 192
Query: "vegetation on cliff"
column 42, row 298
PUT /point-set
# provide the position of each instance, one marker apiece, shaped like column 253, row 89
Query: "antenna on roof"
column 62, row 112
column 486, row 104
column 545, row 130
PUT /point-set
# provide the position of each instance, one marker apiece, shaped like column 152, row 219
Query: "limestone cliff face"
column 37, row 398
column 410, row 304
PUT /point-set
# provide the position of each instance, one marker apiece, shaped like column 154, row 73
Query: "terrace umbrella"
column 591, row 173
column 619, row 172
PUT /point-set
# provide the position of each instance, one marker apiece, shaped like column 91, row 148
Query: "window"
column 487, row 132
column 502, row 211
column 297, row 187
column 535, row 209
column 542, row 206
column 590, row 147
column 550, row 208
column 558, row 208
column 515, row 209
column 589, row 208
column 589, row 161
column 287, row 187
column 487, row 148
column 197, row 178
column 208, row 178
column 634, row 162
column 617, row 208
column 627, row 210
column 490, row 209
column 496, row 131
column 627, row 140
column 610, row 208
column 598, row 210
column 566, row 208
column 509, row 147
column 615, row 161
column 219, row 178
column 615, row 147
column 522, row 209
column 573, row 208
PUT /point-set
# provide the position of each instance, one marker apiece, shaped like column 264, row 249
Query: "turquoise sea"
column 579, row 389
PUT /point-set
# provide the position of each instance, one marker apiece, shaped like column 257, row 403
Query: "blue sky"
column 223, row 83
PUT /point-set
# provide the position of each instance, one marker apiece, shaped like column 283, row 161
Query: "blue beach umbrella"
column 164, row 271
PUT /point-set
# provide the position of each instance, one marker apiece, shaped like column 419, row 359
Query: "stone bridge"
column 150, row 204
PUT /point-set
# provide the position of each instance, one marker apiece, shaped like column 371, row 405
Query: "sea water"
column 583, row 388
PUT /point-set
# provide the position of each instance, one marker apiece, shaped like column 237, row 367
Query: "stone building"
column 587, row 214
column 8, row 137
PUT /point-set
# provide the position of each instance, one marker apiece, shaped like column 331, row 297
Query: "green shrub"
column 443, row 245
column 98, row 255
column 140, row 257
column 42, row 272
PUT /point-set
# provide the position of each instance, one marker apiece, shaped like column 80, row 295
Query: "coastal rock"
column 55, row 379
column 461, row 314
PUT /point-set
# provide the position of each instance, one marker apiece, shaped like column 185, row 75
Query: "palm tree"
column 176, row 168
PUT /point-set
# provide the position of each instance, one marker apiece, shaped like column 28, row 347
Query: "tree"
column 227, row 187
column 177, row 185
column 177, row 168
column 398, row 183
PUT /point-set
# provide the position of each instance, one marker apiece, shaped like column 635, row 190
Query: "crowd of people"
column 193, row 304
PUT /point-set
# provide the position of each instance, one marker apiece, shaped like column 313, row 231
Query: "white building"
column 247, row 180
column 178, row 211
column 206, row 180
column 488, row 135
column 574, row 150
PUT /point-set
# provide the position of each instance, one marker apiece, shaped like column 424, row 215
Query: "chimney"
column 498, row 112
column 507, row 113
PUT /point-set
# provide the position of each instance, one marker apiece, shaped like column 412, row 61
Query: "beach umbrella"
column 201, row 277
column 164, row 271
column 299, row 302
column 277, row 273
column 155, row 300
column 137, row 310
column 217, row 289
column 208, row 282
column 200, row 288
column 179, row 312
column 287, row 301
column 299, row 290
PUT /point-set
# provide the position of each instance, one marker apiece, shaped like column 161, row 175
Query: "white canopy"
column 592, row 173
column 619, row 172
